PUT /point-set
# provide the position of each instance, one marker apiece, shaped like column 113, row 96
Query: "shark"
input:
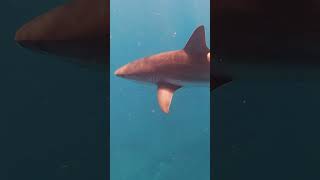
column 78, row 29
column 172, row 70
column 265, row 41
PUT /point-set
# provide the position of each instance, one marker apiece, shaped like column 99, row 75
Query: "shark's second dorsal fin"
column 197, row 42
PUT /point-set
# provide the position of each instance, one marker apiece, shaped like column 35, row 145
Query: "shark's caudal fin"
column 197, row 42
column 165, row 94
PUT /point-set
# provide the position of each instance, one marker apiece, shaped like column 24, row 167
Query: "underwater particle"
column 157, row 175
column 161, row 164
column 205, row 131
column 174, row 34
column 244, row 101
column 121, row 90
column 130, row 116
column 138, row 43
column 235, row 148
column 153, row 111
column 66, row 164
column 156, row 13
column 172, row 156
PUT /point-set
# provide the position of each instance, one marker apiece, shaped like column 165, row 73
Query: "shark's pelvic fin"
column 165, row 94
column 197, row 42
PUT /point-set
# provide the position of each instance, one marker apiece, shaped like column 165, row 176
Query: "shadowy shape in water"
column 78, row 29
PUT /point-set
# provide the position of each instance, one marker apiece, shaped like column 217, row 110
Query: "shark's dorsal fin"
column 165, row 94
column 197, row 42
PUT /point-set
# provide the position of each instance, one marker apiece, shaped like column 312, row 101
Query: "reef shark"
column 265, row 40
column 78, row 29
column 173, row 70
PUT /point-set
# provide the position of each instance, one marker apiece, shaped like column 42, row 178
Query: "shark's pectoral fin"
column 165, row 94
column 216, row 82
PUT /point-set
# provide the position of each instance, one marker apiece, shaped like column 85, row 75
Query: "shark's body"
column 78, row 29
column 174, row 69
column 266, row 40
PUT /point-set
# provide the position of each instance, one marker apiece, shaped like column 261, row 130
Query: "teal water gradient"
column 147, row 144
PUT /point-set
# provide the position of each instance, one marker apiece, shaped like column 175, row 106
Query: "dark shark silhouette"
column 173, row 70
column 78, row 29
column 265, row 40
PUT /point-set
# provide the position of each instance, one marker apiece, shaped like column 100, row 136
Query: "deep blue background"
column 266, row 130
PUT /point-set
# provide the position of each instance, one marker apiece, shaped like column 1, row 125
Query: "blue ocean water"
column 147, row 144
column 266, row 130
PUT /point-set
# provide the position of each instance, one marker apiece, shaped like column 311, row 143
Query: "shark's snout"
column 21, row 38
column 121, row 72
column 22, row 33
column 27, row 39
